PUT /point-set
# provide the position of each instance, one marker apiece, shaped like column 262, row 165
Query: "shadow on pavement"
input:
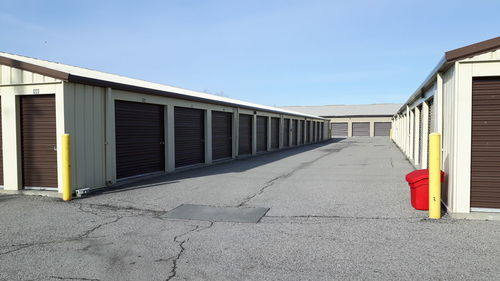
column 238, row 165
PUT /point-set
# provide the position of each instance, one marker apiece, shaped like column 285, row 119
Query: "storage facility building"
column 356, row 120
column 122, row 128
column 460, row 99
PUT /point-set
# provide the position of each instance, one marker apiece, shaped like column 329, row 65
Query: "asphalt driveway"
column 337, row 211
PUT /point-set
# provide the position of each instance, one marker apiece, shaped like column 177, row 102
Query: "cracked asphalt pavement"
column 339, row 210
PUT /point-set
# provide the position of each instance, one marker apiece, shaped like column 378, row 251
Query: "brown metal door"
column 430, row 123
column 261, row 133
column 308, row 132
column 382, row 129
column 38, row 141
column 361, row 129
column 189, row 136
column 294, row 132
column 485, row 154
column 139, row 138
column 340, row 129
column 286, row 132
column 222, row 135
column 315, row 132
column 245, row 134
column 275, row 132
column 301, row 135
column 1, row 146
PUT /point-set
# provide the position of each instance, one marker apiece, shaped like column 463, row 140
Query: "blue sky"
column 268, row 52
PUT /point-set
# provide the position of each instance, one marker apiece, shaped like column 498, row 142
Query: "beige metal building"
column 356, row 120
column 122, row 128
column 461, row 100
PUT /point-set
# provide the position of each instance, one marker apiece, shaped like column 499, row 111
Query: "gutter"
column 427, row 82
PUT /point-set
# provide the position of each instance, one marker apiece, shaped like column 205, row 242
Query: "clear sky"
column 269, row 52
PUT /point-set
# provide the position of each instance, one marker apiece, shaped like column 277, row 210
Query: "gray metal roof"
column 97, row 78
column 383, row 109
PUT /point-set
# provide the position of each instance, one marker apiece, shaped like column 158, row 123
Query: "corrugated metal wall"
column 85, row 122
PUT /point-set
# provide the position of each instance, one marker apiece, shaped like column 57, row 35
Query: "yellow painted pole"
column 66, row 167
column 435, row 176
column 390, row 134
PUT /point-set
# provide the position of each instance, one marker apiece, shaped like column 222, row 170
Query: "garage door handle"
column 162, row 142
column 55, row 148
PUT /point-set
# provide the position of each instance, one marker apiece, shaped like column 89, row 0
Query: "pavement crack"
column 84, row 235
column 286, row 175
column 182, row 248
column 339, row 217
column 74, row 278
column 98, row 209
column 90, row 231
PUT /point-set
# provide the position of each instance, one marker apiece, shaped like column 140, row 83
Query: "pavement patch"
column 217, row 214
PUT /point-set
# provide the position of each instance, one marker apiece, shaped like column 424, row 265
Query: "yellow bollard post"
column 390, row 134
column 66, row 167
column 435, row 176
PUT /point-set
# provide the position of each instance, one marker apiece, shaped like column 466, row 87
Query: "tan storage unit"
column 340, row 129
column 261, row 133
column 382, row 129
column 38, row 141
column 275, row 133
column 189, row 136
column 140, row 138
column 485, row 153
column 361, row 129
column 222, row 135
column 120, row 127
column 245, row 134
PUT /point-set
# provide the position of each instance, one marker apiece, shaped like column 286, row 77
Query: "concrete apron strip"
column 216, row 214
column 35, row 192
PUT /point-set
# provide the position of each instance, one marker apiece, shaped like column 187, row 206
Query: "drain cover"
column 210, row 213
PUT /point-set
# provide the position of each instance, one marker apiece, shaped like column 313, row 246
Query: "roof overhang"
column 68, row 77
column 448, row 59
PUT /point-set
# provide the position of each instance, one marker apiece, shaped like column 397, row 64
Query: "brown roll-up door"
column 1, row 146
column 245, row 134
column 286, row 132
column 261, row 133
column 189, row 136
column 315, row 132
column 340, row 129
column 431, row 117
column 139, row 138
column 294, row 132
column 308, row 132
column 485, row 154
column 382, row 129
column 38, row 141
column 420, row 134
column 222, row 135
column 321, row 129
column 430, row 123
column 361, row 129
column 275, row 132
column 301, row 135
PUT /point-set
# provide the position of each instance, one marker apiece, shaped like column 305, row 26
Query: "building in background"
column 122, row 128
column 460, row 99
column 357, row 120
